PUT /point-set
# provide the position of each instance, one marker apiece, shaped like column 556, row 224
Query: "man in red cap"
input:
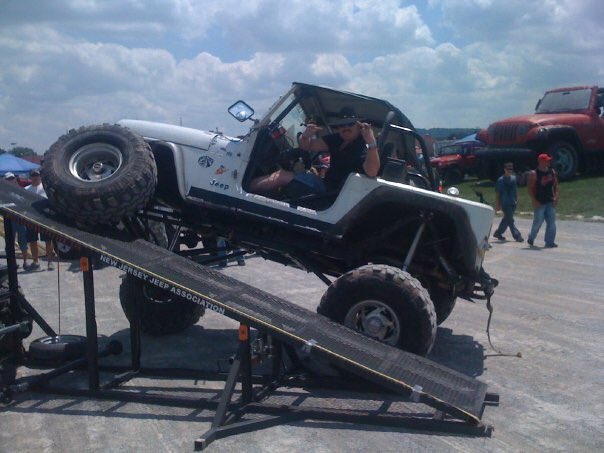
column 544, row 191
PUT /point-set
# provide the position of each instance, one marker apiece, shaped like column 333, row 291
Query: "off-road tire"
column 162, row 313
column 61, row 348
column 391, row 290
column 564, row 160
column 99, row 174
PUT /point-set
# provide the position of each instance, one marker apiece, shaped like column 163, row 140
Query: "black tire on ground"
column 66, row 251
column 61, row 348
column 162, row 312
column 564, row 159
column 385, row 303
column 453, row 176
column 99, row 174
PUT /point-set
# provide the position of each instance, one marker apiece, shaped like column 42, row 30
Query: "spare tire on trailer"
column 161, row 312
column 385, row 303
column 99, row 174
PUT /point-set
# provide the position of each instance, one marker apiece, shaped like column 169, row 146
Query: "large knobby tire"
column 162, row 312
column 564, row 160
column 385, row 303
column 99, row 174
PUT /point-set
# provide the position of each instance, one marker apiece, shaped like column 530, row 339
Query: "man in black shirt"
column 352, row 148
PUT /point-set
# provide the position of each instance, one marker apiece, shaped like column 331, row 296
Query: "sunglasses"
column 11, row 178
column 342, row 126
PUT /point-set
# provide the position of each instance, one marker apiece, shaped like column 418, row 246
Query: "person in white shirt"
column 32, row 235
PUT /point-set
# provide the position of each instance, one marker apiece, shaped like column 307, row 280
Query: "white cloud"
column 66, row 63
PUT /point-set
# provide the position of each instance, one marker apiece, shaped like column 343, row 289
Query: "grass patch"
column 580, row 199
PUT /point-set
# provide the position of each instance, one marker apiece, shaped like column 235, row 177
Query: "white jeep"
column 394, row 251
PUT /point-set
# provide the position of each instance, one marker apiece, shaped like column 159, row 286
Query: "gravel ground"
column 548, row 307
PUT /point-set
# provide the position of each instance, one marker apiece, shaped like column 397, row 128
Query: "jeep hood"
column 542, row 119
column 170, row 133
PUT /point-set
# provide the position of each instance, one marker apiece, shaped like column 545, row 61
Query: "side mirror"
column 241, row 111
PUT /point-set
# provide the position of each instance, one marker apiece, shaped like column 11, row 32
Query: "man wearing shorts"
column 32, row 235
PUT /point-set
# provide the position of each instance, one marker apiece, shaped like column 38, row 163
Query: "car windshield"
column 289, row 119
column 564, row 101
column 450, row 150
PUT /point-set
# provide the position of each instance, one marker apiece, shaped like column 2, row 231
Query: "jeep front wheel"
column 99, row 174
column 564, row 160
column 385, row 303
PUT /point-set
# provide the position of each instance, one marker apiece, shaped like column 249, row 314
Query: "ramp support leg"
column 91, row 327
column 16, row 298
column 226, row 424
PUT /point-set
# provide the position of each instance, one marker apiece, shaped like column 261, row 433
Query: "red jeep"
column 568, row 124
column 457, row 160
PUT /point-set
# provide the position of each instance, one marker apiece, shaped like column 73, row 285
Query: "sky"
column 443, row 63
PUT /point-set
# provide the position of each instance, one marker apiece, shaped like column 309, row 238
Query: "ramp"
column 425, row 381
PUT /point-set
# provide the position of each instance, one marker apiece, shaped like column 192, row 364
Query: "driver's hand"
column 311, row 130
column 366, row 132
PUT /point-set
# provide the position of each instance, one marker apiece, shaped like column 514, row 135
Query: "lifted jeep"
column 394, row 252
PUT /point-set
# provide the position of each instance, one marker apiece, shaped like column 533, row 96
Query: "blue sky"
column 444, row 63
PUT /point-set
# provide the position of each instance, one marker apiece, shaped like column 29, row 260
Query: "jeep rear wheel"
column 99, row 174
column 161, row 312
column 385, row 303
column 564, row 160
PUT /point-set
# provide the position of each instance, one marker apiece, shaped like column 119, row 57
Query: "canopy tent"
column 15, row 164
column 467, row 139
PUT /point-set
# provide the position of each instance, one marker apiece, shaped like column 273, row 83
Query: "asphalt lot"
column 548, row 307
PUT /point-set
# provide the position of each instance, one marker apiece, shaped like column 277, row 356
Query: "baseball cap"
column 34, row 173
column 9, row 175
column 544, row 157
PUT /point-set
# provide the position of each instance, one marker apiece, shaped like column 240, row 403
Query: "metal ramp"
column 446, row 390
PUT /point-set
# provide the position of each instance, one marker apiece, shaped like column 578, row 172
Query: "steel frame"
column 229, row 414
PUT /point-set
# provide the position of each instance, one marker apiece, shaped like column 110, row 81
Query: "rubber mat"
column 426, row 381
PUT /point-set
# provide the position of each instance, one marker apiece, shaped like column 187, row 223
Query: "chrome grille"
column 505, row 132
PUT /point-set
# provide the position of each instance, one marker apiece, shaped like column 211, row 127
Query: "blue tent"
column 15, row 164
column 467, row 139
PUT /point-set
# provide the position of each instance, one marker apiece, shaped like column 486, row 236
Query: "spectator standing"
column 506, row 198
column 32, row 235
column 544, row 190
column 18, row 230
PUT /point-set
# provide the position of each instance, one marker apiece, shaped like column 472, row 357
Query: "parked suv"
column 394, row 252
column 568, row 124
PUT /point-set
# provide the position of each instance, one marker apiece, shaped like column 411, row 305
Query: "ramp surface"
column 440, row 387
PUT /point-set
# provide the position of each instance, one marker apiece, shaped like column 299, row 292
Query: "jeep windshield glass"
column 290, row 118
column 450, row 150
column 564, row 101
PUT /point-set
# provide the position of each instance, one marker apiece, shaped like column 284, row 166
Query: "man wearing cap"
column 32, row 235
column 18, row 230
column 544, row 190
column 352, row 148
